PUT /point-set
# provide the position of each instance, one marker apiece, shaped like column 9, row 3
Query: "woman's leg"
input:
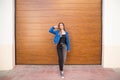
column 64, row 52
column 60, row 57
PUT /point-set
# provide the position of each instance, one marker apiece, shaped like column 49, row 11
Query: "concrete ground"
column 51, row 72
column 117, row 70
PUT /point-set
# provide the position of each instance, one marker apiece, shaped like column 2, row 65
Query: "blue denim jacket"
column 57, row 37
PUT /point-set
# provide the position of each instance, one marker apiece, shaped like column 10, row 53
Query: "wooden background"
column 34, row 43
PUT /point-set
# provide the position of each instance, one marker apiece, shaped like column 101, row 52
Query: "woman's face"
column 61, row 26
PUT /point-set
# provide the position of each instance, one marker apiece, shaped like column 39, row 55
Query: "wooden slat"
column 58, row 1
column 73, row 20
column 58, row 13
column 38, row 7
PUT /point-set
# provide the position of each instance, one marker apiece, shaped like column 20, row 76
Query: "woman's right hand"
column 56, row 27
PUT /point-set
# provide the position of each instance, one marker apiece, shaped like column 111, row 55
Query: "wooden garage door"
column 34, row 43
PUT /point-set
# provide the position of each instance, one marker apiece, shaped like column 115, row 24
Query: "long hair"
column 59, row 26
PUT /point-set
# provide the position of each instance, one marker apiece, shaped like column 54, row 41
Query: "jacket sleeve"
column 51, row 30
column 68, row 43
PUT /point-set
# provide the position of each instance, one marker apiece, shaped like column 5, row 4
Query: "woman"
column 62, row 42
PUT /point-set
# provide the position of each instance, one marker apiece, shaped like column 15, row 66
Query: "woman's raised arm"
column 52, row 29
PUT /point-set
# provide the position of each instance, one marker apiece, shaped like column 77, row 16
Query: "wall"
column 111, row 31
column 111, row 40
column 7, row 47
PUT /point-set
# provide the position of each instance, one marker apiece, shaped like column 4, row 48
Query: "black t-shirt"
column 62, row 38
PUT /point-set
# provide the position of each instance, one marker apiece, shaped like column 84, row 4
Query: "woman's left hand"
column 68, row 51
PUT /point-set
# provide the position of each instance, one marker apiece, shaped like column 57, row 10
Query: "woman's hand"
column 56, row 27
column 55, row 45
column 68, row 51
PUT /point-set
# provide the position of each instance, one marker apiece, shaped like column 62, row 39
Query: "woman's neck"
column 62, row 31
